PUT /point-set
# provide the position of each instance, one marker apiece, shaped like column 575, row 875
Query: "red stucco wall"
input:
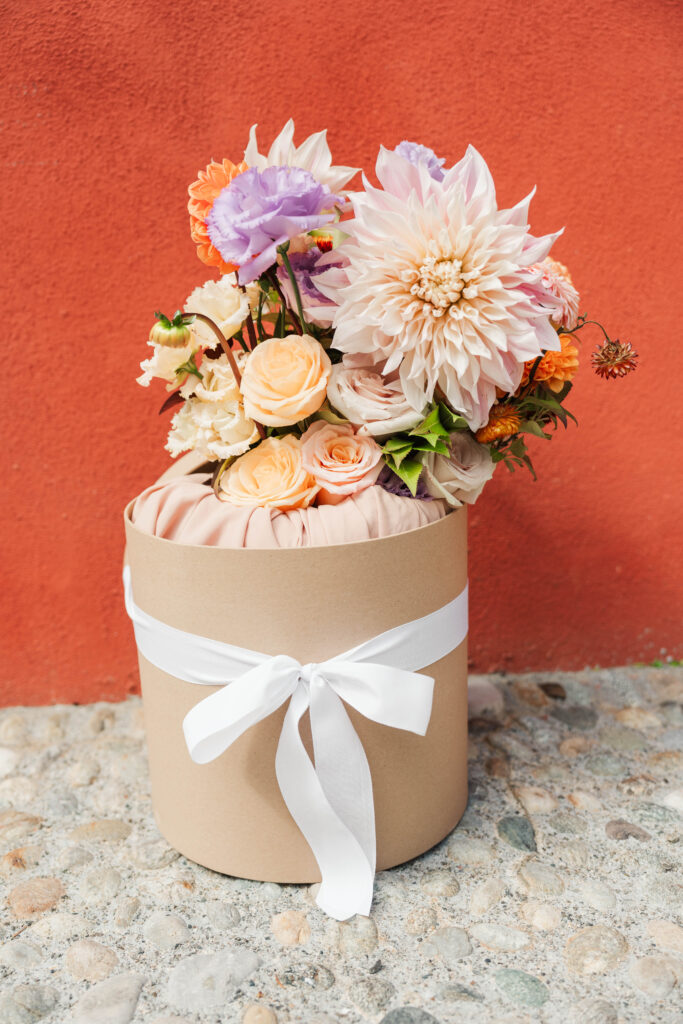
column 109, row 109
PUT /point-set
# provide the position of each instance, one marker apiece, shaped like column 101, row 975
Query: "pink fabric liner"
column 186, row 510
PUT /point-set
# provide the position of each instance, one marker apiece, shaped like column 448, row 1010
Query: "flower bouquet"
column 342, row 391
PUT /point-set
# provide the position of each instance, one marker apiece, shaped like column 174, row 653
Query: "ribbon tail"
column 347, row 874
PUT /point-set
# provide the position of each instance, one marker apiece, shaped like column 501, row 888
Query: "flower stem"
column 272, row 277
column 229, row 353
column 295, row 286
column 582, row 323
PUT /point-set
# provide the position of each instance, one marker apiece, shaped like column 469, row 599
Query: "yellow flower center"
column 439, row 283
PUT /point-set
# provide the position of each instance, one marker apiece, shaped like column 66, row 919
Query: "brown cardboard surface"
column 311, row 603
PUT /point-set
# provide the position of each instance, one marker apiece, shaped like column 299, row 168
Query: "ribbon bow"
column 330, row 800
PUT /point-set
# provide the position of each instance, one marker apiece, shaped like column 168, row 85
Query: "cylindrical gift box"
column 311, row 603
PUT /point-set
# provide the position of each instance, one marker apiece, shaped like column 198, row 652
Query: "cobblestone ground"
column 557, row 898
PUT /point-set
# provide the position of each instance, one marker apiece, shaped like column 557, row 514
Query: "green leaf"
column 451, row 421
column 531, row 427
column 409, row 471
column 431, row 424
column 436, row 445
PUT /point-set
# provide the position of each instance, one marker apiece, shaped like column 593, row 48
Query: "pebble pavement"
column 557, row 898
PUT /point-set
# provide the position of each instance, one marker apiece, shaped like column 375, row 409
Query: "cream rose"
column 222, row 301
column 376, row 404
column 341, row 461
column 461, row 476
column 165, row 360
column 218, row 382
column 216, row 430
column 285, row 380
column 270, row 475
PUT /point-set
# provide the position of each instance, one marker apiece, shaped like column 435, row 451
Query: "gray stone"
column 36, row 1000
column 486, row 896
column 500, row 938
column 20, row 955
column 655, row 815
column 575, row 716
column 518, row 832
column 371, row 995
column 100, row 886
column 355, row 936
column 206, row 981
column 420, row 920
column 567, row 823
column 460, row 993
column 408, row 1015
column 622, row 739
column 153, row 855
column 110, row 1002
column 605, row 765
column 521, row 987
column 448, row 943
column 222, row 915
column 469, row 851
column 165, row 931
column 125, row 911
column 597, row 895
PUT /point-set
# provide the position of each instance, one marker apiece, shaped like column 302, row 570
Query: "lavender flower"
column 418, row 154
column 260, row 210
column 394, row 485
column 307, row 266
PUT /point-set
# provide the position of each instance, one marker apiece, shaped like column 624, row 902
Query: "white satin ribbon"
column 331, row 800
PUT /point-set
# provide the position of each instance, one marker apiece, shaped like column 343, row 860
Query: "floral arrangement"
column 408, row 336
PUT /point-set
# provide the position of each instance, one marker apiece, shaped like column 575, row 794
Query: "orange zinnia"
column 203, row 193
column 503, row 422
column 555, row 368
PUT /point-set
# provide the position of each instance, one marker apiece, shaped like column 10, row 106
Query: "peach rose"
column 270, row 475
column 341, row 461
column 285, row 380
column 376, row 404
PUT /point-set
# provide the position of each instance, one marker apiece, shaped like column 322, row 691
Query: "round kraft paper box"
column 310, row 603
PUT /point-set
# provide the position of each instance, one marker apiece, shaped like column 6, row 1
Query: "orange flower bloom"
column 203, row 194
column 503, row 421
column 555, row 368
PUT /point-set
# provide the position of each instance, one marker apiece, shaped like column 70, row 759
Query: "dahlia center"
column 439, row 282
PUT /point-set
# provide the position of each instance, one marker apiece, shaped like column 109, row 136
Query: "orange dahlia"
column 555, row 368
column 503, row 421
column 203, row 193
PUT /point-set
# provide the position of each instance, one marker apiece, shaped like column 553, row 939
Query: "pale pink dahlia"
column 557, row 279
column 439, row 283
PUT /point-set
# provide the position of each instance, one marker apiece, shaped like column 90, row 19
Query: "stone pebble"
column 152, row 855
column 408, row 1015
column 450, row 943
column 621, row 829
column 597, row 895
column 35, row 896
column 654, row 976
column 440, row 882
column 258, row 1014
column 27, row 1003
column 595, row 1011
column 370, row 995
column 59, row 927
column 16, row 825
column 534, row 799
column 87, row 960
column 517, row 832
column 538, row 879
column 584, row 801
column 521, row 987
column 165, row 931
column 666, row 934
column 108, row 831
column 420, row 921
column 355, row 936
column 126, row 910
column 543, row 917
column 595, row 950
column 20, row 955
column 222, row 915
column 207, row 981
column 100, row 886
column 109, row 1002
column 486, row 895
column 500, row 937
column 291, row 928
column 20, row 859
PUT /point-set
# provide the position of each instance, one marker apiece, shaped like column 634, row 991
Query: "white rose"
column 165, row 361
column 377, row 405
column 214, row 430
column 224, row 303
column 218, row 382
column 461, row 476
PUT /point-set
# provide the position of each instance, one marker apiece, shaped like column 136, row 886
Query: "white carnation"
column 215, row 430
column 224, row 303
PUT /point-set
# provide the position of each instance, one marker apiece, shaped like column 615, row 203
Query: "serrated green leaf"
column 409, row 471
column 450, row 420
column 398, row 443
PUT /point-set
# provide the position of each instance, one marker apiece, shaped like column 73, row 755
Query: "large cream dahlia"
column 439, row 283
column 312, row 155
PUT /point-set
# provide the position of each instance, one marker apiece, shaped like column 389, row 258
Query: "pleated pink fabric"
column 185, row 509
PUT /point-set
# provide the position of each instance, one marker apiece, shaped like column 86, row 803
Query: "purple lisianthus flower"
column 260, row 210
column 307, row 267
column 394, row 485
column 418, row 154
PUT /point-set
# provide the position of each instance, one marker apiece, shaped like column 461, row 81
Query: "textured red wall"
column 109, row 109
